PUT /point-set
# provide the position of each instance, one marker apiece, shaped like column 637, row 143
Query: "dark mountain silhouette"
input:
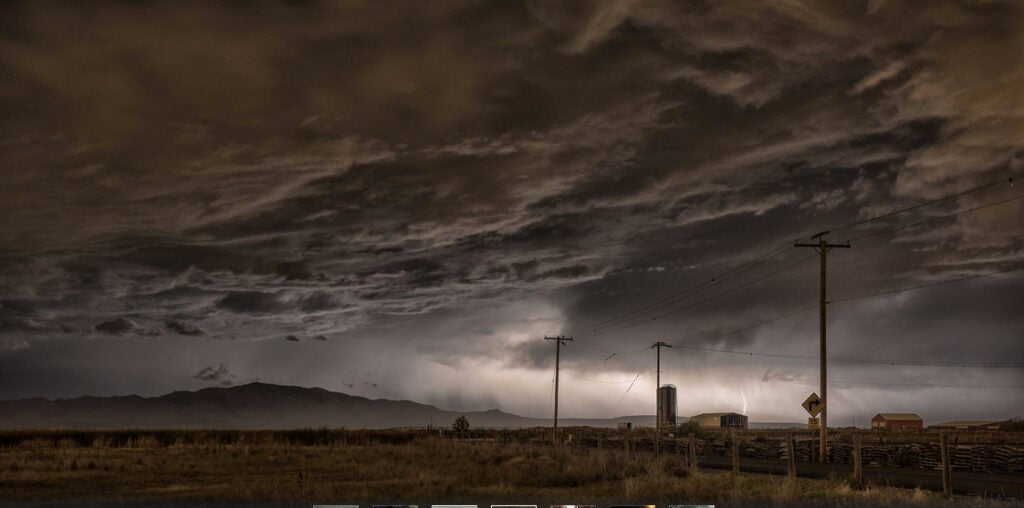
column 256, row 406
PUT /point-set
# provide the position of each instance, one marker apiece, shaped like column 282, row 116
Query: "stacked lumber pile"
column 712, row 446
column 875, row 455
column 931, row 456
column 1007, row 459
column 840, row 453
column 760, row 449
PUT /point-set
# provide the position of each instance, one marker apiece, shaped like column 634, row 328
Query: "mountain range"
column 258, row 406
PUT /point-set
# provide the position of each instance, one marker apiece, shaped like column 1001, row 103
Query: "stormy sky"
column 401, row 199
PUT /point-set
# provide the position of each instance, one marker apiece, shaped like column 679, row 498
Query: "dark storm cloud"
column 183, row 327
column 220, row 375
column 318, row 301
column 252, row 302
column 118, row 326
column 385, row 177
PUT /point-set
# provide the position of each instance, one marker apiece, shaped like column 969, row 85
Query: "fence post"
column 735, row 453
column 790, row 457
column 693, row 452
column 947, row 487
column 627, row 446
column 858, row 471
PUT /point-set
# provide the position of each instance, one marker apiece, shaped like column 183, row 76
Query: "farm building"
column 721, row 420
column 897, row 421
column 667, row 406
column 969, row 425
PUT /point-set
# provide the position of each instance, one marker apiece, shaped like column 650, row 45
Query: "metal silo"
column 667, row 406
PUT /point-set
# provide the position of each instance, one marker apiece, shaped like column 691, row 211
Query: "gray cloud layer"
column 441, row 184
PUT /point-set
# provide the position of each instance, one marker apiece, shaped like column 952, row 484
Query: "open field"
column 416, row 467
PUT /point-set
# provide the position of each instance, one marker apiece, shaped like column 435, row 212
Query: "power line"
column 599, row 381
column 605, row 352
column 597, row 357
column 838, row 300
column 810, row 307
column 936, row 219
column 768, row 255
column 706, row 300
column 859, row 361
column 994, row 387
column 928, row 285
column 750, row 327
column 995, row 183
column 686, row 292
column 614, row 356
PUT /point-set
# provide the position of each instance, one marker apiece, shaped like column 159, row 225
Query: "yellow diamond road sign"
column 814, row 404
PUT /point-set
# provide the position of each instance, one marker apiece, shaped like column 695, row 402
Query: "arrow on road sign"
column 814, row 405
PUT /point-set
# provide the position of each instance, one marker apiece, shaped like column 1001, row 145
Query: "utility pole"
column 561, row 339
column 822, row 247
column 657, row 398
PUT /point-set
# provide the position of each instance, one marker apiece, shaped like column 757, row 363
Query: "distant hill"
column 255, row 406
column 266, row 406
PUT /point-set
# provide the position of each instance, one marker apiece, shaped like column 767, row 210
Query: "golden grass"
column 421, row 469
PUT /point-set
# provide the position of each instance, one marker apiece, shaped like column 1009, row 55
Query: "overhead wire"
column 857, row 360
column 705, row 300
column 603, row 360
column 924, row 286
column 760, row 260
column 728, row 274
column 990, row 185
column 935, row 219
column 992, row 387
column 603, row 382
column 688, row 345
column 752, row 326
column 645, row 309
column 605, row 351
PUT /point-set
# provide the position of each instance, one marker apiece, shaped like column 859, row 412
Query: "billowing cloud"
column 221, row 375
column 183, row 327
column 252, row 302
column 117, row 326
column 226, row 183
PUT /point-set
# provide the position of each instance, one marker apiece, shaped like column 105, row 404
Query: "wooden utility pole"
column 657, row 398
column 822, row 247
column 558, row 351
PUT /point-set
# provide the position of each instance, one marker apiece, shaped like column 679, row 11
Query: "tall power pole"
column 822, row 247
column 657, row 398
column 558, row 351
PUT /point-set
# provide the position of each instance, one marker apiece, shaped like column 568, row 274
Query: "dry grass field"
column 381, row 467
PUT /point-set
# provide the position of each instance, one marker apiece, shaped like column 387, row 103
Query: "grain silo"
column 667, row 406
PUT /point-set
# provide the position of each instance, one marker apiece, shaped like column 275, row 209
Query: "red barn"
column 897, row 421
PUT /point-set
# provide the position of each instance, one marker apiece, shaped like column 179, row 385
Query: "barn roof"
column 714, row 415
column 899, row 416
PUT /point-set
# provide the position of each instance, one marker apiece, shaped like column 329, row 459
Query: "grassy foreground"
column 420, row 470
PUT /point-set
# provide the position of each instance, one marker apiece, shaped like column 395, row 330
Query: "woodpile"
column 762, row 449
column 1007, row 459
column 969, row 452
